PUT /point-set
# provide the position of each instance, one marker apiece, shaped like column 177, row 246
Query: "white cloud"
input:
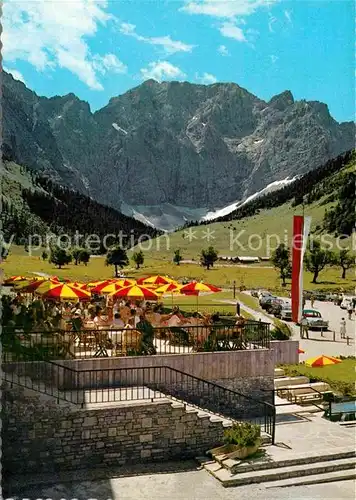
column 288, row 16
column 48, row 35
column 127, row 29
column 170, row 46
column 231, row 10
column 230, row 30
column 15, row 73
column 162, row 70
column 109, row 63
column 223, row 50
column 206, row 78
column 225, row 8
column 274, row 59
column 271, row 21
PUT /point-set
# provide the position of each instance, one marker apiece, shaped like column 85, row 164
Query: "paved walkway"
column 318, row 343
column 312, row 433
column 158, row 484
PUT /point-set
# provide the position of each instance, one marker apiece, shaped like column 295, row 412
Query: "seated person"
column 135, row 317
column 176, row 312
column 77, row 322
column 117, row 321
column 130, row 324
column 98, row 319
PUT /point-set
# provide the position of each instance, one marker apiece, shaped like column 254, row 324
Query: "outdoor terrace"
column 84, row 344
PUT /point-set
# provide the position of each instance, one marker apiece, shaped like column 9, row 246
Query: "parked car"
column 254, row 293
column 266, row 301
column 283, row 311
column 346, row 302
column 315, row 319
column 264, row 293
column 272, row 304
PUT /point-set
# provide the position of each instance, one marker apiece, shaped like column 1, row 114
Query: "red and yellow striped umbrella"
column 60, row 280
column 32, row 286
column 14, row 279
column 169, row 288
column 154, row 281
column 125, row 282
column 135, row 292
column 195, row 288
column 322, row 361
column 62, row 291
column 77, row 284
column 94, row 284
column 106, row 288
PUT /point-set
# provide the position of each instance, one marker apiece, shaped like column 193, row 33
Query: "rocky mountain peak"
column 282, row 101
column 172, row 142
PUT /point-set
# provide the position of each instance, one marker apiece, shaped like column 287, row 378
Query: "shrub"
column 243, row 434
column 281, row 331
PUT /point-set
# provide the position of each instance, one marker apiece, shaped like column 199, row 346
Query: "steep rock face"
column 171, row 143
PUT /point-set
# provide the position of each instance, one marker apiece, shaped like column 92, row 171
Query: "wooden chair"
column 132, row 339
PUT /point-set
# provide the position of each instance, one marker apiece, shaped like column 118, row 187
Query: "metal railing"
column 84, row 344
column 335, row 411
column 322, row 396
column 86, row 387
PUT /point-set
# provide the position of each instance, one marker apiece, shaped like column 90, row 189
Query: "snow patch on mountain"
column 119, row 129
column 273, row 186
column 168, row 217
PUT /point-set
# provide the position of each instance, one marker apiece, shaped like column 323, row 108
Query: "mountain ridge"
column 170, row 143
column 32, row 204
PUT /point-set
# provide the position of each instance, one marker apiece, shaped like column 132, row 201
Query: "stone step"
column 263, row 463
column 330, row 477
column 348, row 423
column 278, row 372
column 276, row 474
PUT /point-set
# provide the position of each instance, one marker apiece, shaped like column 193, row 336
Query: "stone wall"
column 259, row 388
column 206, row 365
column 240, row 370
column 285, row 352
column 40, row 435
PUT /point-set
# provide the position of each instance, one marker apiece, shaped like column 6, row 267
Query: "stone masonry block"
column 145, row 438
column 146, row 453
column 146, row 422
column 90, row 422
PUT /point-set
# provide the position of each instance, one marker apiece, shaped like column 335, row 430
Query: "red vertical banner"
column 297, row 265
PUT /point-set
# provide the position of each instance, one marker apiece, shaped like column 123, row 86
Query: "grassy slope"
column 275, row 224
column 341, row 376
column 158, row 259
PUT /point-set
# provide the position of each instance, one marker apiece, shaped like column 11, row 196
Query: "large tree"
column 316, row 259
column 281, row 261
column 138, row 259
column 345, row 260
column 84, row 256
column 59, row 257
column 117, row 257
column 208, row 257
column 177, row 257
column 76, row 255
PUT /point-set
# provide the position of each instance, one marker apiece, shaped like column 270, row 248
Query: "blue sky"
column 101, row 48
